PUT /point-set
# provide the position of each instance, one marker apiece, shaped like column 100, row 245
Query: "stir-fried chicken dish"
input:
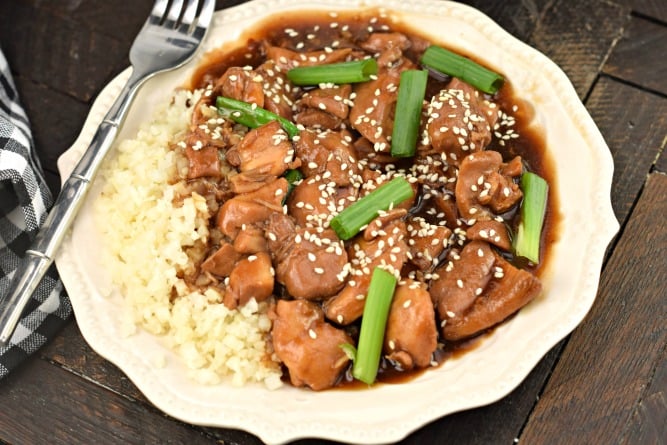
column 276, row 187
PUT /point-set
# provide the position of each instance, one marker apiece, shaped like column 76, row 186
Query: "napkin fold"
column 24, row 203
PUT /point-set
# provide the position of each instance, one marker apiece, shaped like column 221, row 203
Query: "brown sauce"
column 529, row 144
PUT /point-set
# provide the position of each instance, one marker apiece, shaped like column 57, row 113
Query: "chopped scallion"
column 293, row 176
column 349, row 350
column 338, row 73
column 373, row 323
column 411, row 90
column 348, row 222
column 465, row 69
column 533, row 207
column 251, row 115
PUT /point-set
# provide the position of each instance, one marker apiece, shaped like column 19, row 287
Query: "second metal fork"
column 169, row 38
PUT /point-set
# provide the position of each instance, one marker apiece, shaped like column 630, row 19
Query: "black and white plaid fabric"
column 24, row 202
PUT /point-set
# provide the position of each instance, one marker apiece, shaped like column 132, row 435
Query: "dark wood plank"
column 56, row 120
column 639, row 56
column 46, row 404
column 656, row 9
column 517, row 18
column 600, row 381
column 578, row 37
column 628, row 118
column 500, row 422
column 69, row 350
column 648, row 422
column 118, row 19
column 56, row 51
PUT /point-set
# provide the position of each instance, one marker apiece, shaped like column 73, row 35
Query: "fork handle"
column 42, row 252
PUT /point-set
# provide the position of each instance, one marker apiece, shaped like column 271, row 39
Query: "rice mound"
column 148, row 221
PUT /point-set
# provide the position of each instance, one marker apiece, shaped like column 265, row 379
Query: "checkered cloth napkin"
column 24, row 203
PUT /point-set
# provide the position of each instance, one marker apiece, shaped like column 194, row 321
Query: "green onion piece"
column 293, row 176
column 533, row 207
column 344, row 72
column 348, row 222
column 251, row 115
column 373, row 323
column 465, row 69
column 411, row 90
column 349, row 350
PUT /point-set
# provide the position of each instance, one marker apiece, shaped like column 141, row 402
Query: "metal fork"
column 169, row 38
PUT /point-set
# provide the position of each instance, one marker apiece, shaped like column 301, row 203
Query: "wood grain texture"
column 46, row 404
column 648, row 421
column 69, row 350
column 640, row 56
column 516, row 17
column 602, row 375
column 579, row 36
column 628, row 118
column 61, row 54
column 656, row 9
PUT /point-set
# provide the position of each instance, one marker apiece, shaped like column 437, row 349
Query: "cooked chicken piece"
column 434, row 171
column 314, row 200
column 508, row 291
column 251, row 208
column 310, row 264
column 365, row 149
column 324, row 108
column 492, row 231
column 446, row 206
column 264, row 150
column 411, row 335
column 287, row 59
column 388, row 46
column 307, row 345
column 460, row 121
column 279, row 93
column 203, row 161
column 248, row 181
column 252, row 277
column 461, row 281
column 317, row 119
column 329, row 154
column 241, row 84
column 484, row 189
column 426, row 241
column 202, row 144
column 381, row 245
column 222, row 261
column 374, row 105
column 250, row 240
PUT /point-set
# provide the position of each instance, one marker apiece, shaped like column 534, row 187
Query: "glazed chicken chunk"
column 307, row 345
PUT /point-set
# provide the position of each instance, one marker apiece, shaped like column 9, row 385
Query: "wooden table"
column 604, row 384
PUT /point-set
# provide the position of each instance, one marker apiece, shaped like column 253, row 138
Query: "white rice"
column 146, row 235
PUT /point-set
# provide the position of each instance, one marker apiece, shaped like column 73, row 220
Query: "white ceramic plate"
column 584, row 170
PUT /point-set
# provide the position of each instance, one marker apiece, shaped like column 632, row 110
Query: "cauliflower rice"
column 147, row 235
